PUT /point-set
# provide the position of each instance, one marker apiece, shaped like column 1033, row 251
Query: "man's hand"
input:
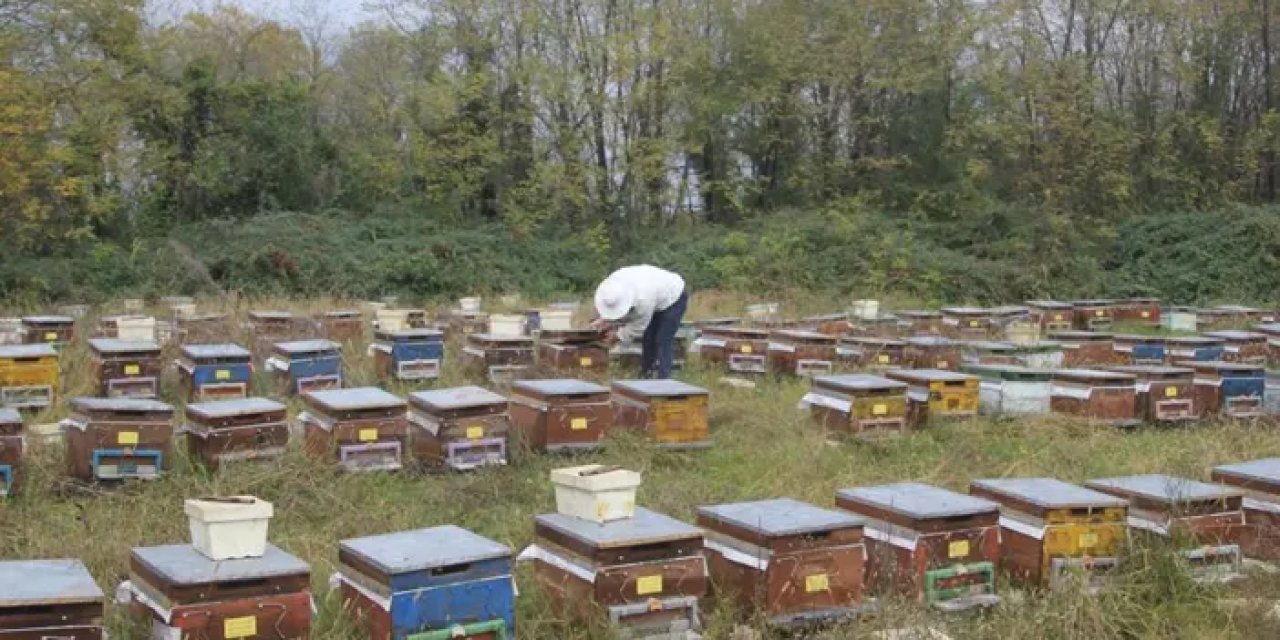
column 600, row 324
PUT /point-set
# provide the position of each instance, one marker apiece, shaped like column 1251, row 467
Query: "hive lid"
column 41, row 350
column 990, row 346
column 1265, row 470
column 1049, row 493
column 1233, row 335
column 1094, row 375
column 1093, row 302
column 929, row 341
column 181, row 564
column 1010, row 310
column 780, row 517
column 1269, row 328
column 489, row 337
column 306, row 346
column 1081, row 335
column 271, row 315
column 1008, row 372
column 1147, row 370
column 1203, row 341
column 919, row 501
column 120, row 404
column 705, row 322
column 1131, row 337
column 456, row 398
column 1049, row 304
column 1163, row 488
column 559, row 387
column 41, row 582
column 10, row 416
column 801, row 334
column 112, row 345
column 1220, row 366
column 871, row 341
column 215, row 351
column 355, row 399
column 659, row 388
column 919, row 314
column 232, row 408
column 423, row 549
column 826, row 317
column 857, row 382
column 1235, row 308
column 341, row 313
column 966, row 311
column 408, row 334
column 48, row 320
column 929, row 375
column 645, row 527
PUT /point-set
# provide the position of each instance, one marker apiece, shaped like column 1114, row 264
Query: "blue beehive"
column 442, row 579
column 1194, row 349
column 409, row 354
column 307, row 365
column 215, row 371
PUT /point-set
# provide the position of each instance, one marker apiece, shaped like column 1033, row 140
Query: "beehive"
column 1230, row 389
column 207, row 328
column 966, row 323
column 1093, row 315
column 53, row 330
column 644, row 575
column 1163, row 394
column 1144, row 311
column 1181, row 349
column 1228, row 317
column 12, row 451
column 1052, row 528
column 560, row 415
column 468, row 323
column 801, row 353
column 931, row 352
column 572, row 351
column 187, row 595
column 233, row 430
column 306, row 365
column 125, row 369
column 988, row 352
column 271, row 327
column 49, row 600
column 365, row 429
column 928, row 543
column 408, row 354
column 128, row 327
column 739, row 349
column 1210, row 519
column 28, row 375
column 437, row 583
column 498, row 358
column 461, row 428
column 345, row 325
column 834, row 324
column 673, row 413
column 862, row 352
column 937, row 393
column 921, row 322
column 881, row 326
column 1259, row 481
column 215, row 372
column 1011, row 389
column 110, row 439
column 1136, row 349
column 864, row 406
column 1045, row 354
column 1272, row 331
column 1247, row 347
column 1086, row 348
column 1101, row 396
column 796, row 563
column 1052, row 315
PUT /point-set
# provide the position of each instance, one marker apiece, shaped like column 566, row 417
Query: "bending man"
column 644, row 303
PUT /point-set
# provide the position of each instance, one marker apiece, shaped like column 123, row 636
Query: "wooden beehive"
column 966, row 323
column 1093, row 315
column 560, row 415
column 1144, row 311
column 862, row 352
column 572, row 351
column 833, row 324
column 50, row 600
column 467, row 323
column 125, row 369
column 1231, row 389
column 442, row 582
column 739, row 349
column 1249, row 347
column 460, row 428
column 1259, row 481
column 937, row 393
column 1136, row 349
column 270, row 327
column 795, row 563
column 12, row 450
column 233, row 430
column 1163, row 394
column 1107, row 397
column 1051, row 528
column 643, row 575
column 1272, row 331
column 928, row 543
column 708, row 323
column 306, row 365
column 28, row 376
column 801, row 353
column 215, row 372
column 1181, row 349
column 207, row 328
column 1209, row 519
column 408, row 354
column 988, row 352
column 1052, row 315
column 53, row 330
column 498, row 358
column 127, row 327
column 345, row 325
column 1086, row 348
column 1045, row 354
column 881, row 326
column 110, row 439
column 863, row 406
column 364, row 429
column 673, row 413
column 921, row 322
column 1228, row 317
column 188, row 596
column 1005, row 389
column 931, row 352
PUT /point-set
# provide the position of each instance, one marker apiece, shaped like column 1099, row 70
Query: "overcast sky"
column 342, row 14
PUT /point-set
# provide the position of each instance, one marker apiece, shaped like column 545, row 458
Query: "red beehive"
column 1103, row 396
column 862, row 352
column 740, row 349
column 967, row 323
column 801, row 353
column 921, row 322
column 1259, row 480
column 1163, row 393
column 1247, row 347
column 1087, row 348
column 572, row 351
column 1145, row 311
column 1052, row 315
column 1093, row 315
column 931, row 352
column 561, row 415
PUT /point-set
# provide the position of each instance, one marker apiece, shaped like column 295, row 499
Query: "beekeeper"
column 644, row 303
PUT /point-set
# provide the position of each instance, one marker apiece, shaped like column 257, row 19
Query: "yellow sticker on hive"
column 245, row 627
column 817, row 583
column 882, row 359
column 648, row 585
column 222, row 374
column 746, row 348
column 368, row 435
column 1171, row 392
column 1088, row 540
column 879, row 409
column 973, row 323
column 578, row 424
column 942, row 364
column 1098, row 313
column 585, row 362
column 958, row 549
column 1146, row 314
column 132, row 370
column 127, row 437
column 475, row 433
column 52, row 335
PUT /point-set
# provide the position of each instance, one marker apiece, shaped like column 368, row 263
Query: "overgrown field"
column 764, row 448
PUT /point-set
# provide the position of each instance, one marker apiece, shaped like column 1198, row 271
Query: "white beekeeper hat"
column 614, row 300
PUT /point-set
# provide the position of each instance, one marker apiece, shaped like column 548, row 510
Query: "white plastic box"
column 596, row 492
column 140, row 328
column 866, row 309
column 501, row 324
column 469, row 305
column 555, row 319
column 229, row 528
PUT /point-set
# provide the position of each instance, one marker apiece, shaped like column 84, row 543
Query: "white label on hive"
column 648, row 585
column 817, row 583
column 578, row 424
column 958, row 549
column 240, row 627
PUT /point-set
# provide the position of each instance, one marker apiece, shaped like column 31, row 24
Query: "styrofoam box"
column 555, row 319
column 596, row 492
column 141, row 329
column 229, row 528
column 506, row 324
column 866, row 309
column 470, row 305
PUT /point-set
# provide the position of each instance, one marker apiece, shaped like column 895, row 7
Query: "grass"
column 764, row 448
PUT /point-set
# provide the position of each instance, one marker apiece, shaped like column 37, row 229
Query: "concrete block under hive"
column 438, row 583
column 306, row 365
column 1249, row 347
column 345, row 325
column 1086, row 348
column 112, row 439
column 50, row 599
column 1230, row 389
column 673, row 413
column 462, row 428
column 1053, row 529
column 1208, row 519
column 52, row 330
column 801, row 353
column 967, row 323
column 795, row 563
column 738, row 349
column 28, row 376
column 365, row 429
column 125, row 369
column 572, row 351
column 1136, row 349
column 12, row 453
column 863, row 406
column 186, row 595
column 1052, row 315
column 560, row 415
column 498, row 358
column 931, row 352
column 1011, row 389
column 1106, row 397
column 1093, row 315
column 644, row 575
column 920, row 322
column 1259, row 481
column 1163, row 394
column 226, row 431
column 930, row 544
column 1183, row 349
column 215, row 372
column 408, row 354
column 935, row 393
column 862, row 352
column 1143, row 311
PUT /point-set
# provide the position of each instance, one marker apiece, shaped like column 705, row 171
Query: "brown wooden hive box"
column 1247, row 347
column 499, row 358
column 125, row 369
column 208, row 328
column 1093, row 315
column 966, row 323
column 12, row 450
column 1052, row 315
column 49, row 329
column 920, row 322
column 867, row 407
column 560, row 415
column 673, row 413
column 572, row 350
column 931, row 352
column 863, row 352
column 738, row 349
column 1087, row 349
column 365, row 429
column 214, row 372
column 110, row 439
column 801, row 353
column 1259, row 481
column 460, row 428
column 1104, row 396
column 49, row 600
column 234, row 430
column 1163, row 394
column 341, row 325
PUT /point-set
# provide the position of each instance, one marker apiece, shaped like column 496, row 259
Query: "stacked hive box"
column 801, row 353
column 125, row 369
column 215, row 371
column 1011, row 389
column 937, row 393
column 1247, row 347
column 1103, row 396
column 1163, row 394
column 1184, row 349
column 860, row 352
column 1230, row 389
column 51, row 330
column 931, row 352
column 498, row 358
column 111, row 439
column 1093, row 315
column 208, row 328
column 1052, row 315
column 1086, row 348
column 365, row 429
column 461, row 428
column 408, row 354
column 864, row 406
column 739, row 349
column 1140, row 350
column 966, row 323
column 673, row 413
column 921, row 322
column 305, row 366
column 341, row 326
column 572, row 351
column 1259, row 480
column 48, row 600
column 272, row 327
column 233, row 430
column 561, row 415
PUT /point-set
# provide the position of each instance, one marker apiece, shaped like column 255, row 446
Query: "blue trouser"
column 657, row 350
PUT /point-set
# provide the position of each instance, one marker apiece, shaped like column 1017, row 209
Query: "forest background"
column 951, row 150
